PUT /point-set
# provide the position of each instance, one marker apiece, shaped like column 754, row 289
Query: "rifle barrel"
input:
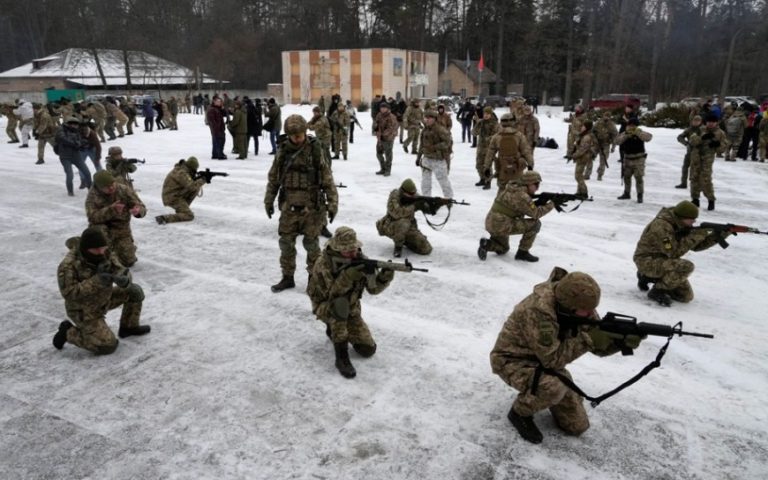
column 695, row 334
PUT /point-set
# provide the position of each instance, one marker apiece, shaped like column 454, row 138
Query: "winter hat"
column 114, row 151
column 430, row 113
column 686, row 209
column 103, row 179
column 92, row 238
column 192, row 164
column 578, row 291
column 408, row 186
column 711, row 117
column 633, row 121
column 344, row 240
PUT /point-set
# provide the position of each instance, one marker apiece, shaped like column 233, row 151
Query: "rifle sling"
column 437, row 226
column 595, row 401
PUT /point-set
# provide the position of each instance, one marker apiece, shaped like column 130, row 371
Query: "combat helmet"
column 507, row 119
column 430, row 113
column 577, row 291
column 530, row 177
column 295, row 124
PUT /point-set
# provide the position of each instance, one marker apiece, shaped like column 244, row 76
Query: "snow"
column 237, row 382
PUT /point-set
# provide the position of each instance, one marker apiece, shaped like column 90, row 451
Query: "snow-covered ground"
column 237, row 382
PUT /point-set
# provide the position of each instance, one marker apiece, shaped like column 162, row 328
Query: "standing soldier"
column 412, row 121
column 45, row 131
column 120, row 118
column 26, row 114
column 340, row 120
column 398, row 110
column 386, row 130
column 98, row 113
column 173, row 110
column 352, row 121
column 528, row 124
column 238, row 127
column 606, row 133
column 658, row 254
column 86, row 277
column 685, row 140
column 13, row 121
column 508, row 153
column 129, row 109
column 335, row 289
column 400, row 224
column 179, row 191
column 321, row 126
column 763, row 139
column 444, row 119
column 302, row 182
column 735, row 126
column 484, row 130
column 535, row 335
column 513, row 213
column 707, row 142
column 274, row 122
column 584, row 151
column 110, row 206
column 434, row 155
column 633, row 143
column 119, row 167
column 574, row 129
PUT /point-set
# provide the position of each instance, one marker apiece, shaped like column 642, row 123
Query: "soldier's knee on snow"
column 364, row 350
column 340, row 309
column 107, row 349
column 574, row 427
column 686, row 267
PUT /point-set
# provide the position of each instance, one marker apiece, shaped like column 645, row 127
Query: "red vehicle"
column 615, row 101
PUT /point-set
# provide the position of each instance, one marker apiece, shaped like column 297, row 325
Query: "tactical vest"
column 508, row 162
column 300, row 176
column 634, row 147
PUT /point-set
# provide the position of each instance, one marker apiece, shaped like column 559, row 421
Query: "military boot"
column 398, row 252
column 682, row 185
column 487, row 185
column 480, row 182
column 127, row 332
column 160, row 219
column 660, row 296
column 639, row 198
column 325, row 232
column 624, row 196
column 642, row 282
column 711, row 205
column 525, row 426
column 40, row 162
column 695, row 201
column 482, row 251
column 524, row 255
column 285, row 283
column 343, row 365
column 61, row 336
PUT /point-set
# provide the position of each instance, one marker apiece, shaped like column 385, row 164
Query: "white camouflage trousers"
column 440, row 169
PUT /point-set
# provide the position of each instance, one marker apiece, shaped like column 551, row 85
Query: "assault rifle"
column 341, row 185
column 728, row 228
column 207, row 175
column 134, row 161
column 370, row 265
column 432, row 204
column 560, row 199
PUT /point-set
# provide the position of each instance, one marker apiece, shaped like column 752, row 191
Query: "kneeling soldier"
column 399, row 223
column 85, row 279
column 179, row 191
column 336, row 287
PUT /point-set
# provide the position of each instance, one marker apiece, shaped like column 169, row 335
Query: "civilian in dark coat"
column 254, row 123
column 69, row 142
column 215, row 118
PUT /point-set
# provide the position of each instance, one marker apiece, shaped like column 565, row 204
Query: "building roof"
column 473, row 73
column 78, row 65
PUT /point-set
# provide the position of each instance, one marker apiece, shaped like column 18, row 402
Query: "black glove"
column 331, row 216
column 369, row 268
column 714, row 144
column 708, row 136
column 122, row 281
column 418, row 161
column 386, row 275
column 530, row 167
column 270, row 210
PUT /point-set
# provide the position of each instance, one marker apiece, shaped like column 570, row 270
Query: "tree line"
column 667, row 49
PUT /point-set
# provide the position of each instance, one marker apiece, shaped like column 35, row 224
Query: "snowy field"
column 237, row 382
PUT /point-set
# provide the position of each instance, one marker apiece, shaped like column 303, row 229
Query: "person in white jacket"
column 27, row 115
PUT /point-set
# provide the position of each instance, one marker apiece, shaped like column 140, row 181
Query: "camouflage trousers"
column 439, row 168
column 41, row 142
column 604, row 153
column 304, row 222
column 340, row 143
column 763, row 147
column 91, row 331
column 733, row 147
column 183, row 212
column 669, row 275
column 588, row 169
column 565, row 405
column 384, row 155
column 701, row 176
column 412, row 139
column 501, row 227
column 10, row 130
column 686, row 168
column 240, row 143
column 480, row 161
column 121, row 242
column 352, row 329
column 580, row 173
column 100, row 129
column 404, row 232
column 633, row 167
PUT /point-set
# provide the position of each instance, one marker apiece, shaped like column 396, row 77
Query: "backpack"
column 734, row 125
column 508, row 146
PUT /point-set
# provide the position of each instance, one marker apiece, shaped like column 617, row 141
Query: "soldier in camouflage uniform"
column 537, row 336
column 528, row 125
column 13, row 122
column 86, row 277
column 584, row 151
column 605, row 131
column 434, row 155
column 685, row 140
column 513, row 213
column 508, row 152
column 484, row 130
column 734, row 129
column 110, row 206
column 763, row 138
column 412, row 121
column 385, row 129
column 633, row 142
column 179, row 191
column 98, row 113
column 400, row 224
column 119, row 167
column 335, row 289
column 301, row 181
column 658, row 254
column 238, row 128
column 706, row 142
column 322, row 127
column 444, row 119
column 45, row 131
column 574, row 129
column 340, row 120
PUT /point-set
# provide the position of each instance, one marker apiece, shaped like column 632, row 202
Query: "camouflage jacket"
column 509, row 153
column 79, row 283
column 576, row 122
column 329, row 282
column 413, row 118
column 528, row 125
column 396, row 210
column 685, row 137
column 179, row 184
column 121, row 170
column 301, row 177
column 239, row 123
column 96, row 111
column 45, row 127
column 484, row 130
column 605, row 131
column 531, row 335
column 386, row 126
column 585, row 147
column 340, row 120
column 763, row 128
column 322, row 129
column 99, row 209
column 627, row 138
column 444, row 120
column 704, row 146
column 666, row 237
column 513, row 201
column 435, row 143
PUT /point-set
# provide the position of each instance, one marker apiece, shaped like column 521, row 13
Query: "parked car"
column 495, row 101
column 614, row 101
column 555, row 101
column 691, row 101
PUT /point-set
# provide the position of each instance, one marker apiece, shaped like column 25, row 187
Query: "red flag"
column 481, row 63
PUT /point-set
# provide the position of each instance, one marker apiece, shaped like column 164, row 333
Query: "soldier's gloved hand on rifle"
column 707, row 136
column 270, row 210
column 107, row 278
column 354, row 273
column 714, row 144
column 530, row 167
column 386, row 275
column 331, row 213
column 541, row 201
column 603, row 341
